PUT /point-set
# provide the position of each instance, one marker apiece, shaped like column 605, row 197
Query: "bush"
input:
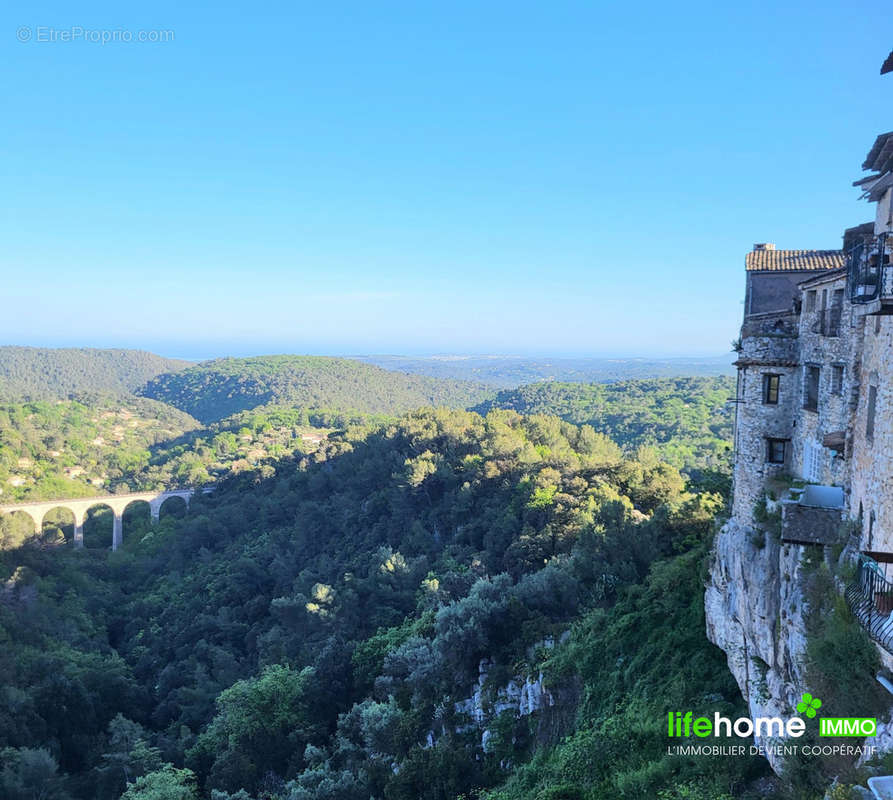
column 841, row 660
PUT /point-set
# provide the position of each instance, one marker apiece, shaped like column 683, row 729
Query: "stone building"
column 813, row 467
column 813, row 400
column 771, row 372
column 773, row 276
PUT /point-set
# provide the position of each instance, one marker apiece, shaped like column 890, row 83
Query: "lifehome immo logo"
column 685, row 725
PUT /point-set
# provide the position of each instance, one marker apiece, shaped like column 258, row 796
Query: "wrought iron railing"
column 870, row 597
column 869, row 269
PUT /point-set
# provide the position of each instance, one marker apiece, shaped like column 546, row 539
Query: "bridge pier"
column 78, row 528
column 117, row 530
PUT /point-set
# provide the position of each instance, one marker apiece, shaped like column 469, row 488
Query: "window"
column 770, row 389
column 811, row 375
column 835, row 313
column 823, row 314
column 775, row 451
column 837, row 378
column 872, row 407
column 813, row 461
column 810, row 300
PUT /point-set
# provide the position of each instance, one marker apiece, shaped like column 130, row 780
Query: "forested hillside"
column 106, row 445
column 437, row 606
column 94, row 445
column 103, row 443
column 216, row 389
column 689, row 420
column 37, row 373
column 356, row 623
column 508, row 372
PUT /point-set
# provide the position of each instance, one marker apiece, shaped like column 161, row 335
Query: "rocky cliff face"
column 755, row 612
column 522, row 695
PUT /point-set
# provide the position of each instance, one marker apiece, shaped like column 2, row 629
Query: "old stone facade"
column 813, row 461
column 871, row 474
column 815, row 399
column 768, row 352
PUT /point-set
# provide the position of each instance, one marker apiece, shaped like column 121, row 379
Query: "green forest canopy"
column 509, row 372
column 39, row 373
column 216, row 389
column 100, row 444
column 689, row 419
column 315, row 631
column 94, row 445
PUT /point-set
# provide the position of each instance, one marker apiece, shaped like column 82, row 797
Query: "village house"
column 814, row 401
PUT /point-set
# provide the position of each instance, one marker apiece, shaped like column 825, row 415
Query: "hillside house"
column 814, row 402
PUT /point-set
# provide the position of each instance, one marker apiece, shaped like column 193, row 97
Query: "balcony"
column 870, row 597
column 870, row 273
column 812, row 515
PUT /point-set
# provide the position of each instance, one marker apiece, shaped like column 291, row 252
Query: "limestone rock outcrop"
column 755, row 611
column 521, row 695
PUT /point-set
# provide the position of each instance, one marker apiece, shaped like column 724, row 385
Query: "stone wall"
column 773, row 291
column 754, row 600
column 768, row 347
column 872, row 458
column 834, row 408
column 787, row 345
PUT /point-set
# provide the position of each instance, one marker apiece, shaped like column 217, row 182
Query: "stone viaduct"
column 81, row 505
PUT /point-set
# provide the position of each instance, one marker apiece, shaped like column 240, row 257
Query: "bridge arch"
column 98, row 525
column 18, row 526
column 137, row 517
column 36, row 517
column 68, row 527
column 177, row 505
column 135, row 504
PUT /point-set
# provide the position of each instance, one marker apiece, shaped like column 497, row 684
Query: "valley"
column 351, row 610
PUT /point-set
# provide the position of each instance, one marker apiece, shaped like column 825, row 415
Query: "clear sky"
column 426, row 177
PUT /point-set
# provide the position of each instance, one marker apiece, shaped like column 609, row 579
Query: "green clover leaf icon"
column 809, row 705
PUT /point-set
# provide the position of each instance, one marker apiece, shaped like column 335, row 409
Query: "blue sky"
column 478, row 177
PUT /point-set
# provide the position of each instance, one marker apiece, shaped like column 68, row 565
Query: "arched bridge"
column 79, row 507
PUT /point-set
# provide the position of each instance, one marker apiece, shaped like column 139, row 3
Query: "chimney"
column 763, row 246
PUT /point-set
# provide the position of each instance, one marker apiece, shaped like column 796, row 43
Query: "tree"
column 261, row 724
column 129, row 756
column 30, row 775
column 168, row 783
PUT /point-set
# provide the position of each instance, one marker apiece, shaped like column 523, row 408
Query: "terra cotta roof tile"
column 783, row 260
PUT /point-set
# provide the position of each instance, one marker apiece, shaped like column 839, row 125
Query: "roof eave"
column 826, row 275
